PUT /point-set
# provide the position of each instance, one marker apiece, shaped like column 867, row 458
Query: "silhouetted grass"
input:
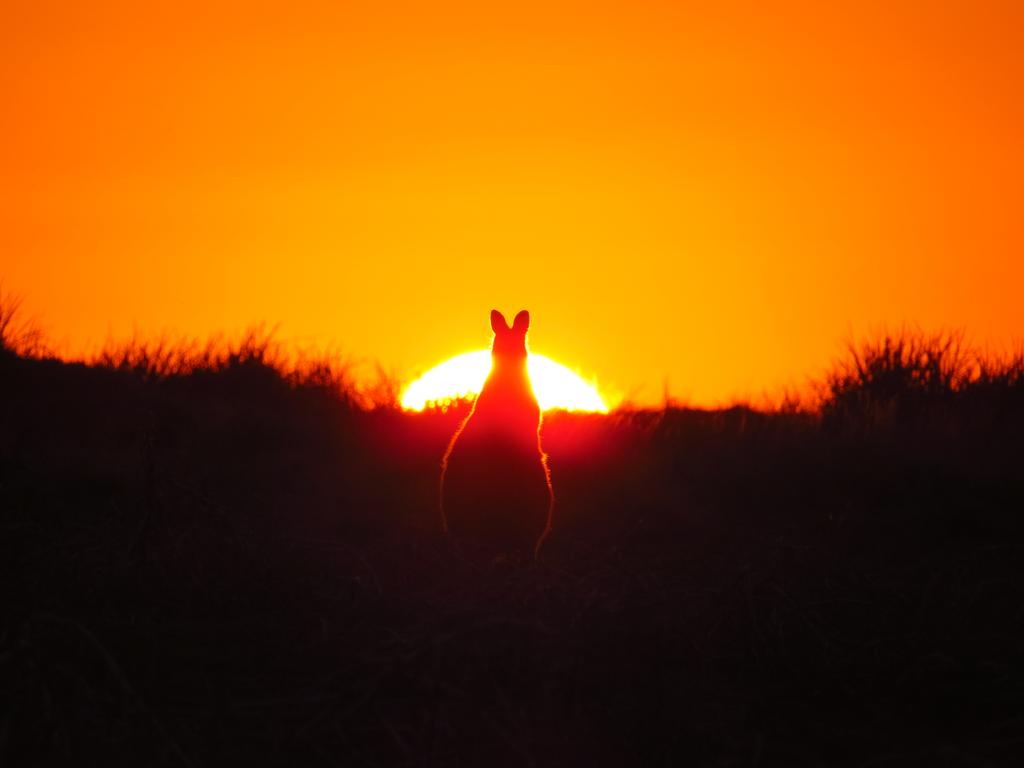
column 18, row 334
column 917, row 380
column 220, row 554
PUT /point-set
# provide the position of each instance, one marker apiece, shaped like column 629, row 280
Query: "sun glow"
column 463, row 376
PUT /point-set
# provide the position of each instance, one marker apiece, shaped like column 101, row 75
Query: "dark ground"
column 233, row 567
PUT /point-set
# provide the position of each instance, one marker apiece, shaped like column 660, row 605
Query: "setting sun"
column 463, row 375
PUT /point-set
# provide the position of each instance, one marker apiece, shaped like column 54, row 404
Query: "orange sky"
column 715, row 196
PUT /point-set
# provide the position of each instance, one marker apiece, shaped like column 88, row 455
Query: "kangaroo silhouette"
column 495, row 485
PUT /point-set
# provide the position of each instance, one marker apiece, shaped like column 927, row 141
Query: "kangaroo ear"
column 498, row 324
column 522, row 322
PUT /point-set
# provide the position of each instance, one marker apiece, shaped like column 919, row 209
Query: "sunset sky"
column 713, row 195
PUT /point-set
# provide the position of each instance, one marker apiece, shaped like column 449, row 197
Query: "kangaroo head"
column 509, row 342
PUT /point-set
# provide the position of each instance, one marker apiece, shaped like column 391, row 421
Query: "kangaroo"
column 495, row 484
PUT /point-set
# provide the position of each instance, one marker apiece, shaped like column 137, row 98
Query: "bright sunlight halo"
column 463, row 376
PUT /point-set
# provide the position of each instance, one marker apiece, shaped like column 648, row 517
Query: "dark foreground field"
column 234, row 566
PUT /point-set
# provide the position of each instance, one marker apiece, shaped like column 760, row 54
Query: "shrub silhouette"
column 18, row 335
column 924, row 383
column 495, row 486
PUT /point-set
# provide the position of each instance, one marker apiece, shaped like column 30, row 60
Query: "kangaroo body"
column 495, row 487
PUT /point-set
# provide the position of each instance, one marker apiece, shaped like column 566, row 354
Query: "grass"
column 216, row 554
